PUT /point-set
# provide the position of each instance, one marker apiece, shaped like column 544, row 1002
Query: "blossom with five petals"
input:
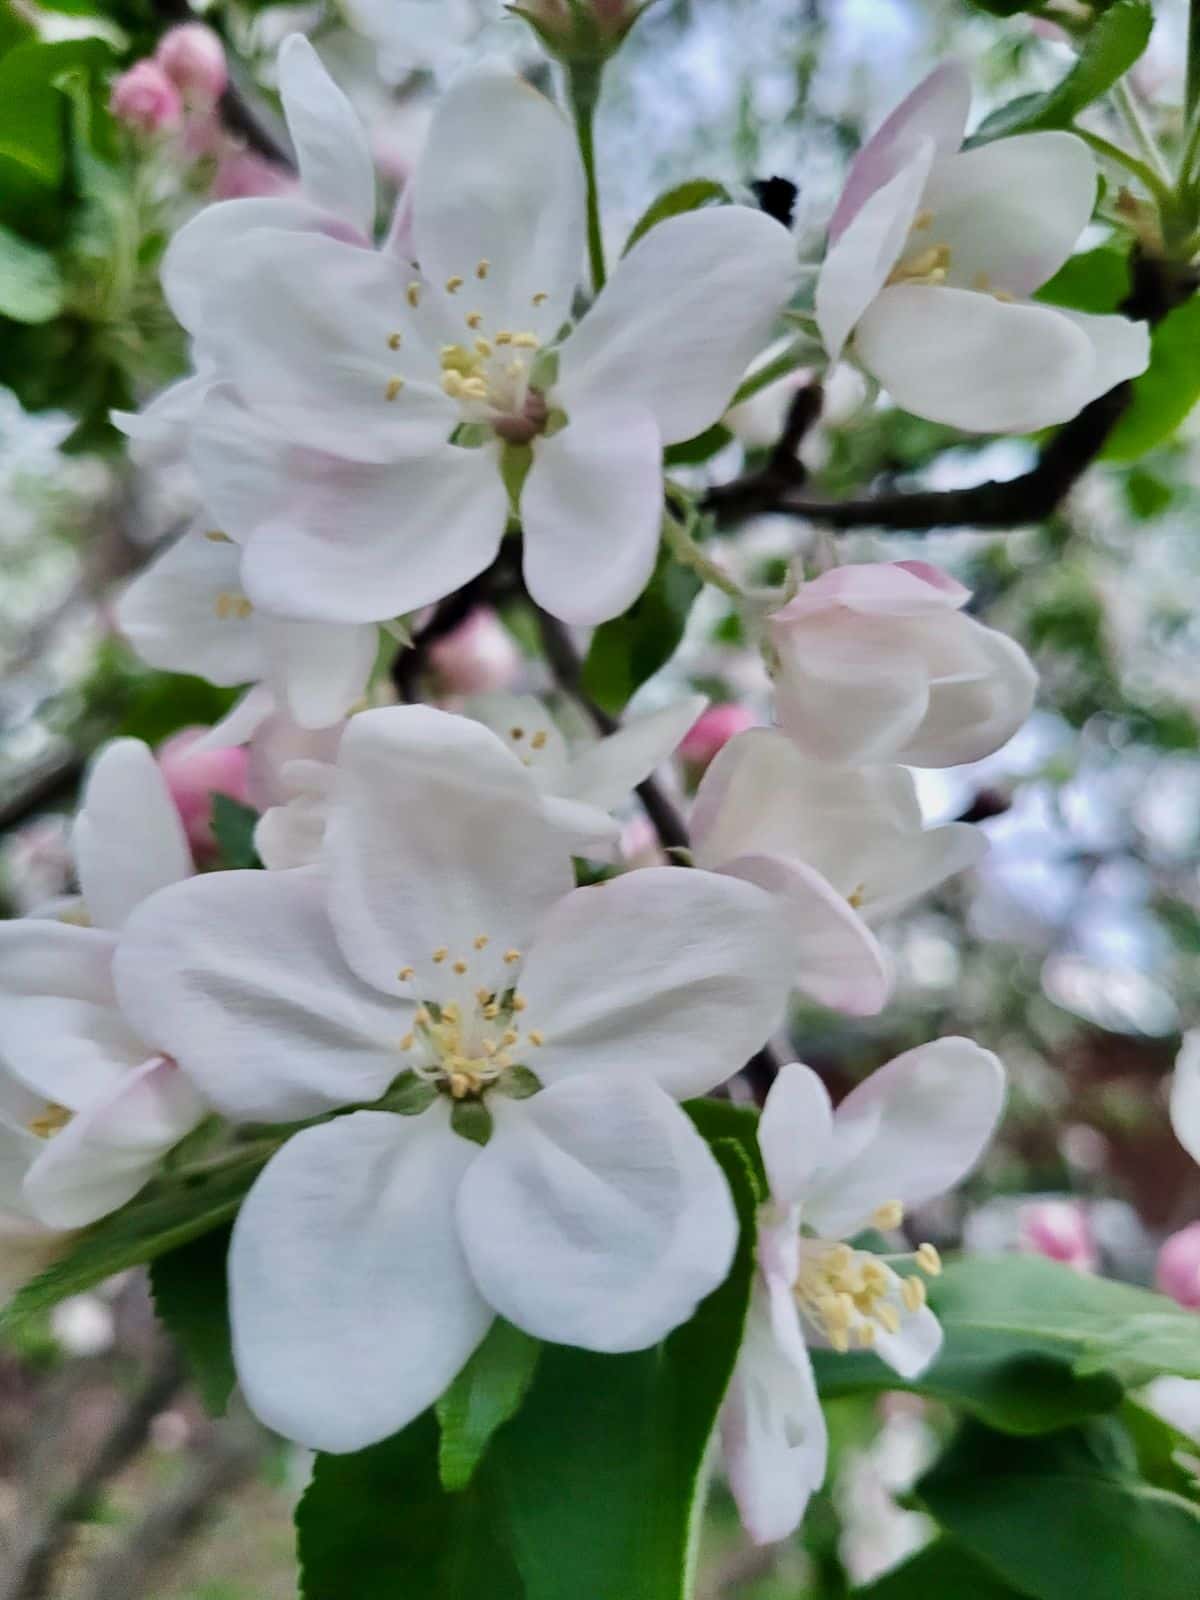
column 438, row 967
column 913, row 1130
column 934, row 253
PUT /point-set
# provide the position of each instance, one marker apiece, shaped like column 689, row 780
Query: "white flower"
column 579, row 787
column 878, row 662
column 438, row 963
column 94, row 1107
column 842, row 846
column 430, row 377
column 1185, row 1095
column 934, row 254
column 188, row 612
column 910, row 1132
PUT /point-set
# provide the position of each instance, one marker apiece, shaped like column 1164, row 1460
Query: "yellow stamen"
column 460, row 967
column 454, row 284
column 440, row 954
column 888, row 1216
column 539, row 740
column 413, row 295
column 394, row 387
column 511, row 956
column 929, row 1261
column 395, row 340
column 482, row 270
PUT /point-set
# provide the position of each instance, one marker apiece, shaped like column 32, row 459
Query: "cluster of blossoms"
column 474, row 1067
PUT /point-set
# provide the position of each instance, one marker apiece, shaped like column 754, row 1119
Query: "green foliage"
column 1166, row 391
column 590, row 1489
column 192, row 1299
column 721, row 1119
column 31, row 286
column 940, row 1572
column 1106, row 54
column 631, row 648
column 233, row 826
column 486, row 1394
column 1067, row 1509
column 683, row 197
column 1095, row 280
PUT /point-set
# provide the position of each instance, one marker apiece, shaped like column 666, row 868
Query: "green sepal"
column 518, row 1083
column 472, row 1120
column 409, row 1095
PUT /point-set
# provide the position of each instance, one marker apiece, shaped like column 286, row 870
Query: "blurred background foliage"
column 1073, row 951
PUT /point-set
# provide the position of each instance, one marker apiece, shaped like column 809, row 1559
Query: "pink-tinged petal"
column 592, row 509
column 237, row 976
column 331, row 147
column 351, row 542
column 974, row 362
column 1185, row 1095
column 795, row 1132
column 858, row 265
column 350, row 1300
column 128, row 838
column 879, row 589
column 677, row 977
column 596, row 1216
column 606, row 772
column 112, row 1146
column 976, row 713
column 936, row 110
column 911, row 1131
column 682, row 318
column 436, row 839
column 1177, row 1271
column 1059, row 1230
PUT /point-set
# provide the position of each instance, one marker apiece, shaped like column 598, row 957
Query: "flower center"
column 930, row 263
column 851, row 1296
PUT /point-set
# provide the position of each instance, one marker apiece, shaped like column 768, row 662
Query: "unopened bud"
column 711, row 731
column 145, row 98
column 581, row 31
column 193, row 57
column 1178, row 1272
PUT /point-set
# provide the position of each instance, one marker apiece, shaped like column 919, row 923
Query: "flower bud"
column 581, row 31
column 193, row 57
column 1178, row 1272
column 194, row 776
column 1060, row 1231
column 711, row 731
column 480, row 655
column 145, row 98
column 241, row 175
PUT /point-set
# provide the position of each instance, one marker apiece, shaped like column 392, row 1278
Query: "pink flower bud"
column 242, row 175
column 145, row 98
column 1059, row 1230
column 194, row 776
column 711, row 731
column 480, row 655
column 1178, row 1272
column 193, row 57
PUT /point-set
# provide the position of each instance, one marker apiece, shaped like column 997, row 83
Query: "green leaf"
column 233, row 826
column 1065, row 1510
column 689, row 196
column 31, row 286
column 601, row 1468
column 141, row 1231
column 33, row 145
column 721, row 1119
column 377, row 1525
column 631, row 648
column 691, row 452
column 1095, row 280
column 939, row 1572
column 1166, row 391
column 191, row 1297
column 486, row 1394
column 1109, row 49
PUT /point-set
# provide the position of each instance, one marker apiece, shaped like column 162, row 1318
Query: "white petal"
column 499, row 182
column 1185, row 1095
column 436, row 839
column 681, row 318
column 331, row 147
column 127, row 839
column 183, row 614
column 350, row 1301
column 606, row 772
column 320, row 670
column 772, row 1427
column 592, row 509
column 973, row 712
column 847, row 700
column 290, row 834
column 1012, row 209
column 596, row 1216
column 662, row 974
column 911, row 1131
column 974, row 362
column 795, row 1132
column 159, row 432
column 60, row 1032
column 857, row 266
column 243, row 466
column 237, row 976
column 351, row 542
column 915, row 1345
column 1120, row 348
column 524, row 723
column 936, row 111
column 242, row 721
column 113, row 1146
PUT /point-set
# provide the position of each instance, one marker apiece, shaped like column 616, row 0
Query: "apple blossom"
column 193, row 57
column 425, row 384
column 145, row 98
column 878, row 662
column 520, row 1043
column 1185, row 1095
column 908, row 1133
column 478, row 657
column 841, row 846
column 1060, row 1231
column 1178, row 1270
column 934, row 253
column 101, row 1105
column 194, row 775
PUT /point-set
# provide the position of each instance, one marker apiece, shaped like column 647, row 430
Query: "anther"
column 526, row 341
column 482, row 270
column 474, row 319
column 394, row 387
column 928, row 1260
column 460, row 967
column 888, row 1216
column 540, row 298
column 483, row 347
column 536, row 1036
column 454, row 284
column 539, row 739
column 413, row 295
column 504, row 337
column 912, row 1292
column 481, row 941
column 406, row 973
column 511, row 956
column 923, row 218
column 408, row 1041
column 519, row 1002
column 440, row 954
column 395, row 340
column 217, row 537
column 516, row 733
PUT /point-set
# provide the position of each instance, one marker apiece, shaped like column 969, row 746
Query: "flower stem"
column 689, row 554
column 1147, row 144
column 1146, row 175
column 583, row 90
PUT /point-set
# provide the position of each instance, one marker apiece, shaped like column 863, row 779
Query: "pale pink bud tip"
column 1059, row 1230
column 194, row 776
column 480, row 655
column 193, row 57
column 145, row 98
column 1178, row 1272
column 711, row 731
